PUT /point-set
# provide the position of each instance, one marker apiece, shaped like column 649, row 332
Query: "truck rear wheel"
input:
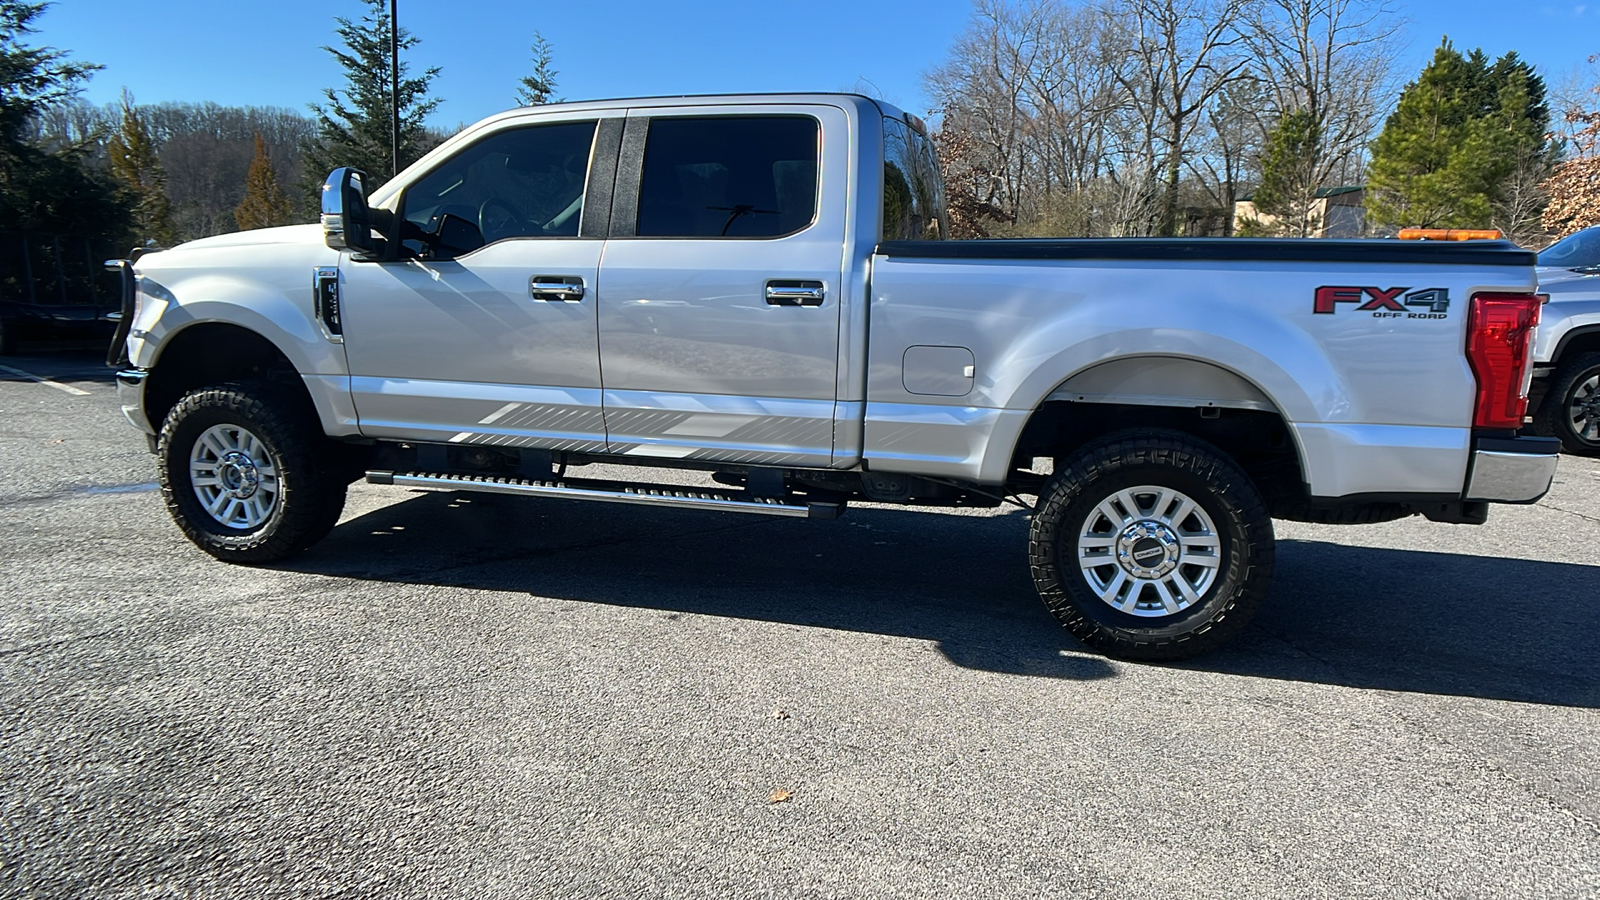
column 1571, row 409
column 1151, row 545
column 241, row 473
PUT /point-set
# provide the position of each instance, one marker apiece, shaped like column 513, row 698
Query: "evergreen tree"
column 1447, row 154
column 41, row 190
column 355, row 127
column 540, row 87
column 31, row 78
column 264, row 204
column 1288, row 190
column 135, row 164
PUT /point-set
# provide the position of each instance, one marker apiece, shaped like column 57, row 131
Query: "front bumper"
column 130, row 394
column 1511, row 469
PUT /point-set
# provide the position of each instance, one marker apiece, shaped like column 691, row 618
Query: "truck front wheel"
column 1151, row 545
column 242, row 475
column 1571, row 409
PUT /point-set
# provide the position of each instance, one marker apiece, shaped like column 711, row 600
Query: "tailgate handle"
column 795, row 293
column 555, row 287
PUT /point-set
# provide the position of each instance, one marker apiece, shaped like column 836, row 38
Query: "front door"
column 719, row 323
column 484, row 332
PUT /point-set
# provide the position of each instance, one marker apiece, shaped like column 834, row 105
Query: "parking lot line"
column 43, row 380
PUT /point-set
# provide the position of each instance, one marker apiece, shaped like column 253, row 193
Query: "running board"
column 610, row 492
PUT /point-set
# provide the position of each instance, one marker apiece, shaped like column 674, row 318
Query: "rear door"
column 719, row 316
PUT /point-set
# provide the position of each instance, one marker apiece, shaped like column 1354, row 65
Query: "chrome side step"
column 609, row 492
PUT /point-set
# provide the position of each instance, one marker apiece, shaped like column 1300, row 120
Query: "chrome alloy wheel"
column 1583, row 411
column 234, row 476
column 1149, row 551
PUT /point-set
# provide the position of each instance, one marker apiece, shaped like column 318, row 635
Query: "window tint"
column 913, row 192
column 527, row 182
column 746, row 176
column 1575, row 251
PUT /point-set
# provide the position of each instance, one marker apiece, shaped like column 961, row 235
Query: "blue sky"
column 269, row 54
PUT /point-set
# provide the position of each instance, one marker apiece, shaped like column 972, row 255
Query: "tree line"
column 1056, row 117
column 1158, row 117
column 129, row 173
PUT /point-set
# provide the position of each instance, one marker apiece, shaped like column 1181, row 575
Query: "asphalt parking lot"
column 477, row 696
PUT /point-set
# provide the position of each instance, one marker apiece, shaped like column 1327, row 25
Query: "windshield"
column 1575, row 251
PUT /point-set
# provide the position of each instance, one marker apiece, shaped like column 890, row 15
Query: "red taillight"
column 1500, row 350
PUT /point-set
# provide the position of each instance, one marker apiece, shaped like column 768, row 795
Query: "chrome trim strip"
column 1510, row 477
column 643, row 496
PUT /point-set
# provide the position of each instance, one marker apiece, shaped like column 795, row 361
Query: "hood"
column 287, row 234
column 1553, row 275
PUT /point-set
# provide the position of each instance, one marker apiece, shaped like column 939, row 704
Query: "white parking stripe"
column 43, row 380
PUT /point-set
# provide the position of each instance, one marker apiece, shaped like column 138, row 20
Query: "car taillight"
column 1500, row 350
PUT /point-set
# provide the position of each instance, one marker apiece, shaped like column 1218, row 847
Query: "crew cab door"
column 484, row 330
column 719, row 323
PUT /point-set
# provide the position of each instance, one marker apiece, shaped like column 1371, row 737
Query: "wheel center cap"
column 238, row 475
column 1148, row 549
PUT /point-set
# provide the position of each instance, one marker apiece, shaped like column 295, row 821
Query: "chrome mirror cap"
column 343, row 204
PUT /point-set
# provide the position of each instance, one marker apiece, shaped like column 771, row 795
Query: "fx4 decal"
column 1391, row 303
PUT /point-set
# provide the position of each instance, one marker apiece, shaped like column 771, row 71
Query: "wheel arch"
column 206, row 353
column 1583, row 339
column 1195, row 397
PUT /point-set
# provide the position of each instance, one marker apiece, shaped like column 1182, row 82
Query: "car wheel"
column 1151, row 545
column 8, row 339
column 1571, row 409
column 241, row 473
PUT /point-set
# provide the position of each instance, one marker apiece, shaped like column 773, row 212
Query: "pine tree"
column 1288, row 189
column 1447, row 155
column 355, row 127
column 134, row 163
column 45, row 189
column 540, row 87
column 31, row 78
column 265, row 204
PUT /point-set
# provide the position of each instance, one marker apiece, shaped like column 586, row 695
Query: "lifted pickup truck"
column 755, row 286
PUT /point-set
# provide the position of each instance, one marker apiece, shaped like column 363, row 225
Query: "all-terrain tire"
column 1570, row 410
column 1195, row 522
column 254, row 454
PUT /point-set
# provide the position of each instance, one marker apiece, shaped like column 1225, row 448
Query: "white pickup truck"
column 755, row 287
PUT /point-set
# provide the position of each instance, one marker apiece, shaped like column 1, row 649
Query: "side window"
column 913, row 192
column 729, row 176
column 527, row 182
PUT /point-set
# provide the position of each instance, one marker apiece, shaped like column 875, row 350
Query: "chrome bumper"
column 130, row 393
column 1511, row 470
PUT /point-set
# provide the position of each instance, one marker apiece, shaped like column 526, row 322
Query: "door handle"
column 795, row 293
column 555, row 287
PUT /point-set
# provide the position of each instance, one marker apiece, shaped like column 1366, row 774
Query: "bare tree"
column 1180, row 56
column 1230, row 146
column 1335, row 60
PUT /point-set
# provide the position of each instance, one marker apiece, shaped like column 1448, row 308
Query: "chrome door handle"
column 795, row 293
column 555, row 287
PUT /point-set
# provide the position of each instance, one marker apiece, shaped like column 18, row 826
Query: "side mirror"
column 346, row 220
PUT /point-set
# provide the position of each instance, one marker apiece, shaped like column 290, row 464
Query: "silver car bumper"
column 1512, row 470
column 130, row 393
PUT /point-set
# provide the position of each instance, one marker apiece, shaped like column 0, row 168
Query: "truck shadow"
column 1400, row 620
